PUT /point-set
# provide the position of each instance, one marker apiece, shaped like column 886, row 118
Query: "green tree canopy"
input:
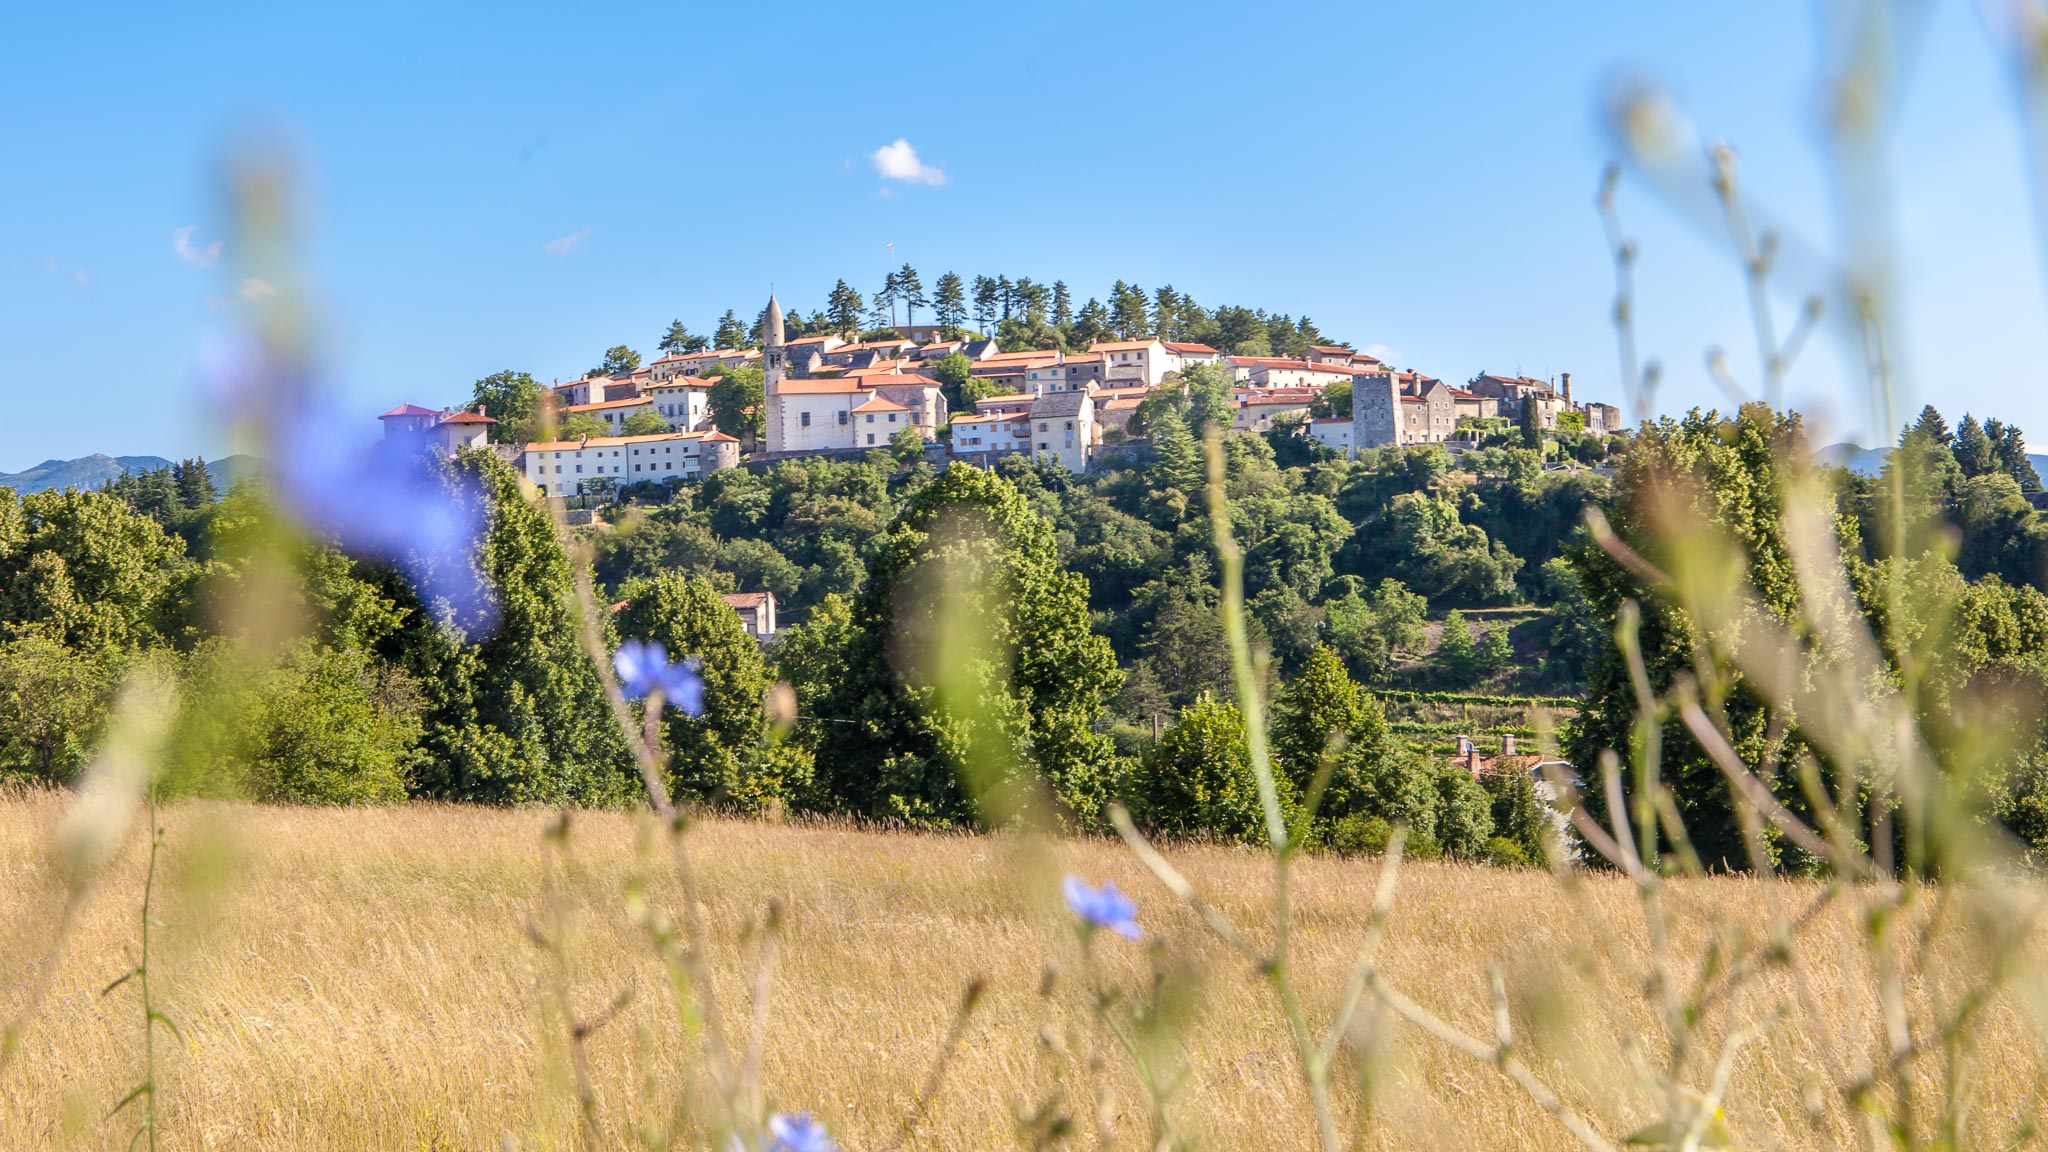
column 726, row 756
column 967, row 547
column 513, row 399
column 738, row 401
column 618, row 359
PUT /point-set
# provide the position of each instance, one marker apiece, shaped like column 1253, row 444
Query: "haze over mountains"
column 98, row 468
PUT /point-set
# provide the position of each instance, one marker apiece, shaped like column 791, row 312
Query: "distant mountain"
column 98, row 468
column 1870, row 461
column 1861, row 461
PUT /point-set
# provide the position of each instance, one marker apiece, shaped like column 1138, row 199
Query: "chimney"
column 1567, row 388
column 1507, row 744
column 480, row 411
column 1464, row 745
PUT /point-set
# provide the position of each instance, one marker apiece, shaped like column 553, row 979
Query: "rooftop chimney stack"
column 1567, row 388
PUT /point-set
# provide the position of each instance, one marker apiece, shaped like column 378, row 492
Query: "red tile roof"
column 1186, row 348
column 897, row 381
column 468, row 418
column 408, row 410
column 613, row 441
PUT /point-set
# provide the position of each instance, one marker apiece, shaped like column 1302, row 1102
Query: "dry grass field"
column 356, row 979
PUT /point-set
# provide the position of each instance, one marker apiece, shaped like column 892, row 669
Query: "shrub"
column 1359, row 836
column 1506, row 853
column 1198, row 780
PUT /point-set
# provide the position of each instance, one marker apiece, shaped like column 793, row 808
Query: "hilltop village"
column 952, row 394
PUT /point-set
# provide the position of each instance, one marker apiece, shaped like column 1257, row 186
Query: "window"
column 804, row 420
column 1043, row 447
column 1043, row 427
column 871, row 437
column 1070, row 425
column 842, row 417
column 579, row 468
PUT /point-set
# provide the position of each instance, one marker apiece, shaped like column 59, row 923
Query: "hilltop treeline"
column 1019, row 313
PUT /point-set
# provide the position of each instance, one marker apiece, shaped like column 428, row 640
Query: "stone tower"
column 771, row 347
column 772, row 368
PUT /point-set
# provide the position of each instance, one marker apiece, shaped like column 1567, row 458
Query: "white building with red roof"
column 567, row 467
column 1144, row 360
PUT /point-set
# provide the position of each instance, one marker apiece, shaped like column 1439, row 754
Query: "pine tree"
column 1092, row 324
column 1127, row 316
column 731, row 333
column 1006, row 295
column 1193, row 323
column 1062, row 304
column 1932, row 425
column 1973, row 449
column 843, row 310
column 1242, row 332
column 1165, row 313
column 2010, row 446
column 882, row 313
column 1031, row 300
column 987, row 294
column 678, row 340
column 949, row 303
column 910, row 290
column 195, row 486
column 1285, row 338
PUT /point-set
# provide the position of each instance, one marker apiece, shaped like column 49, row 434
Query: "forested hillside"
column 1404, row 597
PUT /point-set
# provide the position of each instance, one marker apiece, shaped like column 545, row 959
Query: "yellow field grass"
column 351, row 979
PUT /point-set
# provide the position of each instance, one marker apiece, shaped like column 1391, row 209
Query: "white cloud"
column 563, row 245
column 899, row 161
column 81, row 277
column 1384, row 353
column 181, row 243
column 255, row 288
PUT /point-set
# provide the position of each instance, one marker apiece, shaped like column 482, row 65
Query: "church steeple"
column 771, row 347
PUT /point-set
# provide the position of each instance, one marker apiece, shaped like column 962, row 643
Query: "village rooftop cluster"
column 826, row 395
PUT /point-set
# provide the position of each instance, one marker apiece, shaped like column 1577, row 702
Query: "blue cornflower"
column 1103, row 907
column 644, row 669
column 798, row 1133
column 392, row 499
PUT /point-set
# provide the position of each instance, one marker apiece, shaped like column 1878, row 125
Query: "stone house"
column 1063, row 429
column 1144, row 360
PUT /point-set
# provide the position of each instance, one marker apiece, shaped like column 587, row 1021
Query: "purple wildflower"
column 1103, row 907
column 798, row 1133
column 392, row 499
column 644, row 669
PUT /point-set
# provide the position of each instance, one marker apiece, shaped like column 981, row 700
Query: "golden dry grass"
column 364, row 979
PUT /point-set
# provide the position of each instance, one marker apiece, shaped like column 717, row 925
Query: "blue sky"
column 523, row 185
